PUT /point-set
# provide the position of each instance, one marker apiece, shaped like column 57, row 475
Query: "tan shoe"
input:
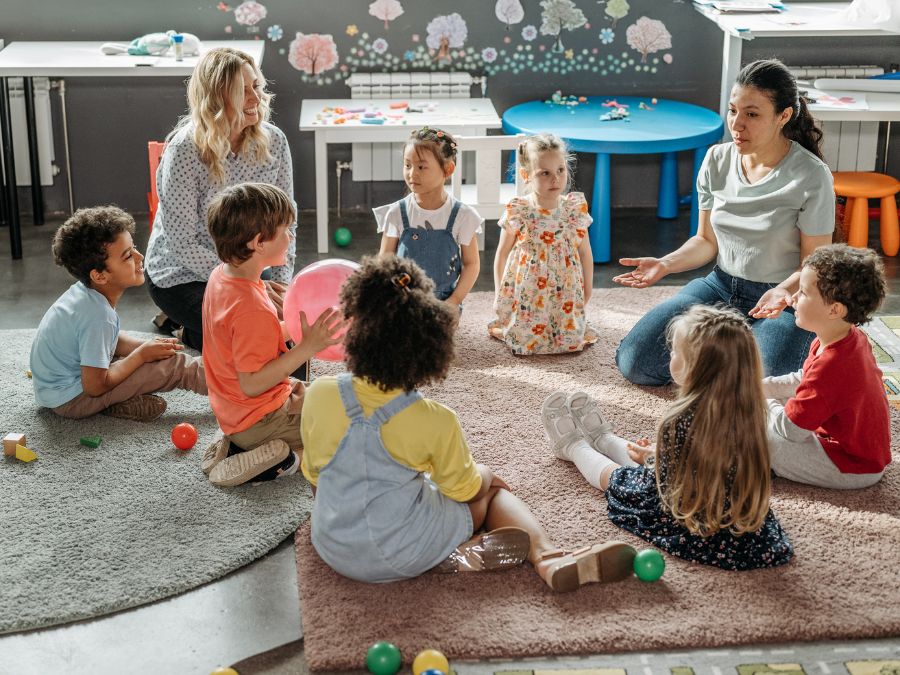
column 599, row 563
column 141, row 408
column 244, row 466
column 492, row 551
column 215, row 453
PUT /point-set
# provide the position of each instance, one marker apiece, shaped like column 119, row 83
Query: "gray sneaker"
column 244, row 466
column 214, row 454
column 141, row 408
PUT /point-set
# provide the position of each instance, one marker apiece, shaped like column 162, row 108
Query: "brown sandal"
column 592, row 564
column 491, row 551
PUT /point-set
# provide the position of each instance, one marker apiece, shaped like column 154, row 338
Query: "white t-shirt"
column 468, row 222
column 758, row 225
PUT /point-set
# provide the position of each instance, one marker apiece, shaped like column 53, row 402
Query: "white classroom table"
column 458, row 116
column 75, row 59
column 799, row 19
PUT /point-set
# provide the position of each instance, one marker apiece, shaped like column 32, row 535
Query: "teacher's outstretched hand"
column 646, row 272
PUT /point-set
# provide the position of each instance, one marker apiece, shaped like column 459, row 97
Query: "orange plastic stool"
column 859, row 187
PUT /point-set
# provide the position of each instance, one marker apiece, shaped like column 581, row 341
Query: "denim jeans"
column 643, row 356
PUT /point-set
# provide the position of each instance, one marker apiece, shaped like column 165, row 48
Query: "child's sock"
column 589, row 462
column 615, row 448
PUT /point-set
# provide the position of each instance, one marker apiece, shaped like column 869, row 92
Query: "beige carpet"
column 843, row 583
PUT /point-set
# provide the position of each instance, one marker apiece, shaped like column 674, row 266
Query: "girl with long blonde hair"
column 701, row 491
column 225, row 139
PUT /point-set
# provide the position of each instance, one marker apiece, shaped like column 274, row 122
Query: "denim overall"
column 374, row 519
column 435, row 251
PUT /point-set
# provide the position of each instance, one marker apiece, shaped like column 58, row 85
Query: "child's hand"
column 158, row 349
column 641, row 449
column 771, row 303
column 324, row 331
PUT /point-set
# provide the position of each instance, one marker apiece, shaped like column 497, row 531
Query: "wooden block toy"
column 10, row 441
column 25, row 454
column 91, row 441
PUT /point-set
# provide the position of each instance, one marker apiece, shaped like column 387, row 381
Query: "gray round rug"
column 86, row 532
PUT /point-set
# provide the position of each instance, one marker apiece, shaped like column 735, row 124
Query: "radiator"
column 384, row 161
column 43, row 123
column 847, row 146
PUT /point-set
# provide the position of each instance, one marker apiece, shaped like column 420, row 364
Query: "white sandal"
column 560, row 427
column 587, row 416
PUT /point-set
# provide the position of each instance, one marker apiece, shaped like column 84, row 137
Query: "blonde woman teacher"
column 766, row 202
column 224, row 140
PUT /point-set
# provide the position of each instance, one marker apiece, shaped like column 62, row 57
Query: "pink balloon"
column 314, row 289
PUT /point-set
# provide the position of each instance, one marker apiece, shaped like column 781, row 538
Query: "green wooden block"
column 91, row 441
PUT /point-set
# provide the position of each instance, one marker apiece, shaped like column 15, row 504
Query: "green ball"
column 342, row 236
column 649, row 564
column 383, row 658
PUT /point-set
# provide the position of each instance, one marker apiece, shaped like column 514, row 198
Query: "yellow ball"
column 224, row 671
column 430, row 659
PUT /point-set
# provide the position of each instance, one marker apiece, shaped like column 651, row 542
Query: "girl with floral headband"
column 428, row 225
column 397, row 490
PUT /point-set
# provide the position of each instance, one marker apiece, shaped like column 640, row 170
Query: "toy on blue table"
column 559, row 99
column 154, row 44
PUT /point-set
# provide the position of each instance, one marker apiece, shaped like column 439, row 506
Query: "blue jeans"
column 643, row 356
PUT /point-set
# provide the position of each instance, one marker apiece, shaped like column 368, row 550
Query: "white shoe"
column 587, row 417
column 559, row 425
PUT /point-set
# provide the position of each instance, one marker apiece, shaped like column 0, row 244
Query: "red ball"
column 184, row 436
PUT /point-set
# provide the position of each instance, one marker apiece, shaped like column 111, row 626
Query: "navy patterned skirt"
column 634, row 505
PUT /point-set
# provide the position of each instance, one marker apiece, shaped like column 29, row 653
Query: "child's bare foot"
column 564, row 572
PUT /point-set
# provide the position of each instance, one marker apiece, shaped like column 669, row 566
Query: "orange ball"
column 184, row 436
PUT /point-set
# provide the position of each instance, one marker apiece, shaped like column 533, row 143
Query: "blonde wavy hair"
column 215, row 87
column 720, row 477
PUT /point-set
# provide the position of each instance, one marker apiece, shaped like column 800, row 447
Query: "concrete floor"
column 247, row 620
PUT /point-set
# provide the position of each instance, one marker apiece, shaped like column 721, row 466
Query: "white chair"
column 489, row 194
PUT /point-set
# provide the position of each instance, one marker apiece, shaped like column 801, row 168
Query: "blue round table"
column 669, row 127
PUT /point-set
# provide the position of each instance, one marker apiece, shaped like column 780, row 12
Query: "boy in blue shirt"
column 81, row 364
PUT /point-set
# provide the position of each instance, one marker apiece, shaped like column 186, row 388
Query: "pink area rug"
column 843, row 583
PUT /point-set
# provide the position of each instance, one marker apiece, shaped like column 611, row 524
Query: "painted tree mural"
column 250, row 13
column 509, row 12
column 647, row 36
column 617, row 9
column 446, row 32
column 557, row 15
column 386, row 10
column 313, row 53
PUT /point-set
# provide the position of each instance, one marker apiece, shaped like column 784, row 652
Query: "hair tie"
column 402, row 281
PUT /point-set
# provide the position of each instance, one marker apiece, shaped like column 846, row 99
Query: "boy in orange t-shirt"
column 246, row 359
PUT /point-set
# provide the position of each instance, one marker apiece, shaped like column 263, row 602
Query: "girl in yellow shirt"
column 397, row 490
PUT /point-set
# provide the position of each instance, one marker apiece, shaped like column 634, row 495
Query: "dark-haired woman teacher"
column 766, row 201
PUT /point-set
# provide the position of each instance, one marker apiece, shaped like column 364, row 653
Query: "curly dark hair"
column 400, row 336
column 853, row 277
column 80, row 244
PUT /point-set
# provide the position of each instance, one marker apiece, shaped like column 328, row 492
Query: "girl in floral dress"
column 543, row 269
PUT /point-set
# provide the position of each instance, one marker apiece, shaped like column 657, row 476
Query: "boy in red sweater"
column 829, row 423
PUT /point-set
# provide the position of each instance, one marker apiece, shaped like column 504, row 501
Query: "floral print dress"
column 635, row 505
column 540, row 305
